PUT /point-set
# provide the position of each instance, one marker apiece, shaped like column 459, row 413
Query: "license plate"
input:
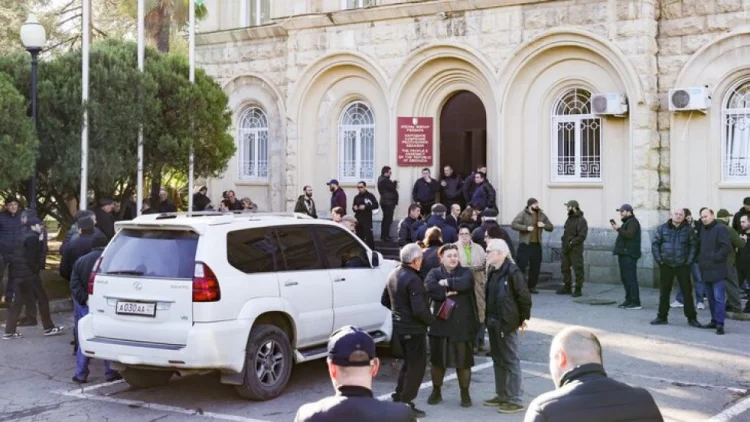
column 136, row 308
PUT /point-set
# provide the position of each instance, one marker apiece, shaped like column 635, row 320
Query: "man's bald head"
column 573, row 347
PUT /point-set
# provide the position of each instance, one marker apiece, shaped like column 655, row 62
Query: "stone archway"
column 463, row 133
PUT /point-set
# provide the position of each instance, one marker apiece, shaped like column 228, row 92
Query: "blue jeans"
column 698, row 286
column 82, row 362
column 717, row 301
column 629, row 278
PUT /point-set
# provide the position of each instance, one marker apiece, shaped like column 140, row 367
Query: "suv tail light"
column 205, row 284
column 92, row 276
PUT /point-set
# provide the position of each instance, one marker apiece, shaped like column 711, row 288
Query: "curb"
column 55, row 306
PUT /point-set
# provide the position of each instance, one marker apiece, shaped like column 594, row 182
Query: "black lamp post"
column 33, row 37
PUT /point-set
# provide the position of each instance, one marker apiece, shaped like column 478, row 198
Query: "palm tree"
column 162, row 16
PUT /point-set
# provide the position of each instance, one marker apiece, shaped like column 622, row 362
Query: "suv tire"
column 143, row 378
column 269, row 351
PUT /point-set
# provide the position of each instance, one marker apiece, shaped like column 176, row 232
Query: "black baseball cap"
column 347, row 341
column 33, row 221
column 625, row 207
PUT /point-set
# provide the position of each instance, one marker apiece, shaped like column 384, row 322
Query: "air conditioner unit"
column 609, row 104
column 690, row 99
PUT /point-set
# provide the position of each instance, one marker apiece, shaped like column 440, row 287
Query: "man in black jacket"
column 714, row 245
column 10, row 235
column 745, row 210
column 79, row 281
column 451, row 188
column 424, row 191
column 743, row 257
column 675, row 247
column 628, row 252
column 574, row 234
column 406, row 225
column 352, row 365
column 363, row 205
column 508, row 308
column 200, row 200
column 583, row 392
column 388, row 190
column 489, row 223
column 469, row 185
column 104, row 219
column 437, row 219
column 305, row 203
column 406, row 297
column 78, row 247
column 24, row 271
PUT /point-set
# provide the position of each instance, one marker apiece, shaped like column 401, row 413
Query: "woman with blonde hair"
column 472, row 257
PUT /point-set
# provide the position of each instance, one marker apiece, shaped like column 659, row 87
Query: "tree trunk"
column 165, row 24
column 155, row 185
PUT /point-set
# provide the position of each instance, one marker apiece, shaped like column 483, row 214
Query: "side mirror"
column 375, row 259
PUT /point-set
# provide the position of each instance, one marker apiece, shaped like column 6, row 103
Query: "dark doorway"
column 463, row 133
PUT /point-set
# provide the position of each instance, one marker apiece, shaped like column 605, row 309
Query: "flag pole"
column 141, row 63
column 191, row 43
column 86, row 41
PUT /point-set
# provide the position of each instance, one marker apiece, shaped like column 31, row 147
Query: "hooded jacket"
column 575, row 231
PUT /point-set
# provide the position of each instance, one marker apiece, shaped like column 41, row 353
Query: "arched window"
column 357, row 143
column 576, row 139
column 253, row 140
column 736, row 133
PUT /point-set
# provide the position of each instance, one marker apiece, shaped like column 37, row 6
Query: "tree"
column 162, row 16
column 121, row 98
column 17, row 140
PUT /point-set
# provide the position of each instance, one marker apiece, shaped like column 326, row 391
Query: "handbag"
column 446, row 309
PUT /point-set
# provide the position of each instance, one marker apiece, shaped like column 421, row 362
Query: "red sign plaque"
column 415, row 141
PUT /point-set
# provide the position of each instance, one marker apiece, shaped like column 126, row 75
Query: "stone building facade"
column 316, row 88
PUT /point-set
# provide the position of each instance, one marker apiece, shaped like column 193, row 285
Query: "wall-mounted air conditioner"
column 609, row 104
column 690, row 99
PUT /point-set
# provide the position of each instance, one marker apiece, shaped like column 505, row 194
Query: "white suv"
column 245, row 295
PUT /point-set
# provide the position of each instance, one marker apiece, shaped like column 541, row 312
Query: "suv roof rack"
column 234, row 214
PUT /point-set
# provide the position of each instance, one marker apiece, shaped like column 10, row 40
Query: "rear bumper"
column 210, row 346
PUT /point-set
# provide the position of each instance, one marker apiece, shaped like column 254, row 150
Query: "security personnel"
column 352, row 365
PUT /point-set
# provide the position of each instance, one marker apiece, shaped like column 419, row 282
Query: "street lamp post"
column 33, row 37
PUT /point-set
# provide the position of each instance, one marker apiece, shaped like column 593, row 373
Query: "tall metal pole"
column 34, row 64
column 141, row 62
column 86, row 34
column 191, row 49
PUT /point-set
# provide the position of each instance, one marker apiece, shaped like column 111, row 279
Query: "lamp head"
column 33, row 34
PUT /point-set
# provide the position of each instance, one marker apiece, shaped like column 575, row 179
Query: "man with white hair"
column 675, row 247
column 406, row 297
column 583, row 392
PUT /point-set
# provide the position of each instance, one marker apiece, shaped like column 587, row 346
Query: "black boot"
column 564, row 290
column 465, row 398
column 435, row 397
column 577, row 292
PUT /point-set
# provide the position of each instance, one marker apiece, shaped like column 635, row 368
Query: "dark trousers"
column 629, row 279
column 530, row 254
column 572, row 257
column 743, row 277
column 665, row 290
column 385, row 229
column 21, row 291
column 364, row 232
column 4, row 264
column 414, row 348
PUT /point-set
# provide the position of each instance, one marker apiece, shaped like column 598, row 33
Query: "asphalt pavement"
column 693, row 374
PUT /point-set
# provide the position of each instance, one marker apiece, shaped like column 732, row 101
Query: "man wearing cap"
column 424, row 191
column 529, row 224
column 24, row 271
column 628, row 251
column 437, row 219
column 10, row 235
column 405, row 295
column 574, row 234
column 734, row 295
column 338, row 196
column 352, row 365
column 104, row 219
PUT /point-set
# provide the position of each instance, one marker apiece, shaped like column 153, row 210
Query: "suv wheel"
column 268, row 363
column 143, row 378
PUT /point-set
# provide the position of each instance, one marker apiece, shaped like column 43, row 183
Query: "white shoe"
column 676, row 304
column 700, row 305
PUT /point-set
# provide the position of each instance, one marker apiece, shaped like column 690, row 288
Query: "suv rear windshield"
column 151, row 253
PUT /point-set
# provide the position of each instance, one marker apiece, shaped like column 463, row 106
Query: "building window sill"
column 574, row 185
column 251, row 182
column 734, row 185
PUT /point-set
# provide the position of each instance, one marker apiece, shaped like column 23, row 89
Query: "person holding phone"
column 628, row 252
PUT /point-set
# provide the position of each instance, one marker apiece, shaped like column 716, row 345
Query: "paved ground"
column 693, row 374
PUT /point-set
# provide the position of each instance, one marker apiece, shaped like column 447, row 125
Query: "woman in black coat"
column 433, row 240
column 451, row 338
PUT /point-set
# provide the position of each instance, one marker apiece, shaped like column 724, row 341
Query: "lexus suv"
column 245, row 295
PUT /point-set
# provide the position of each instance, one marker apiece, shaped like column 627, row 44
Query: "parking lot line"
column 80, row 394
column 727, row 415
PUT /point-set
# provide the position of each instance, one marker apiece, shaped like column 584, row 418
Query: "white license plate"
column 136, row 308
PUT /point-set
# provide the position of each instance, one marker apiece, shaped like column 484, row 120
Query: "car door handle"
column 290, row 283
column 339, row 279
